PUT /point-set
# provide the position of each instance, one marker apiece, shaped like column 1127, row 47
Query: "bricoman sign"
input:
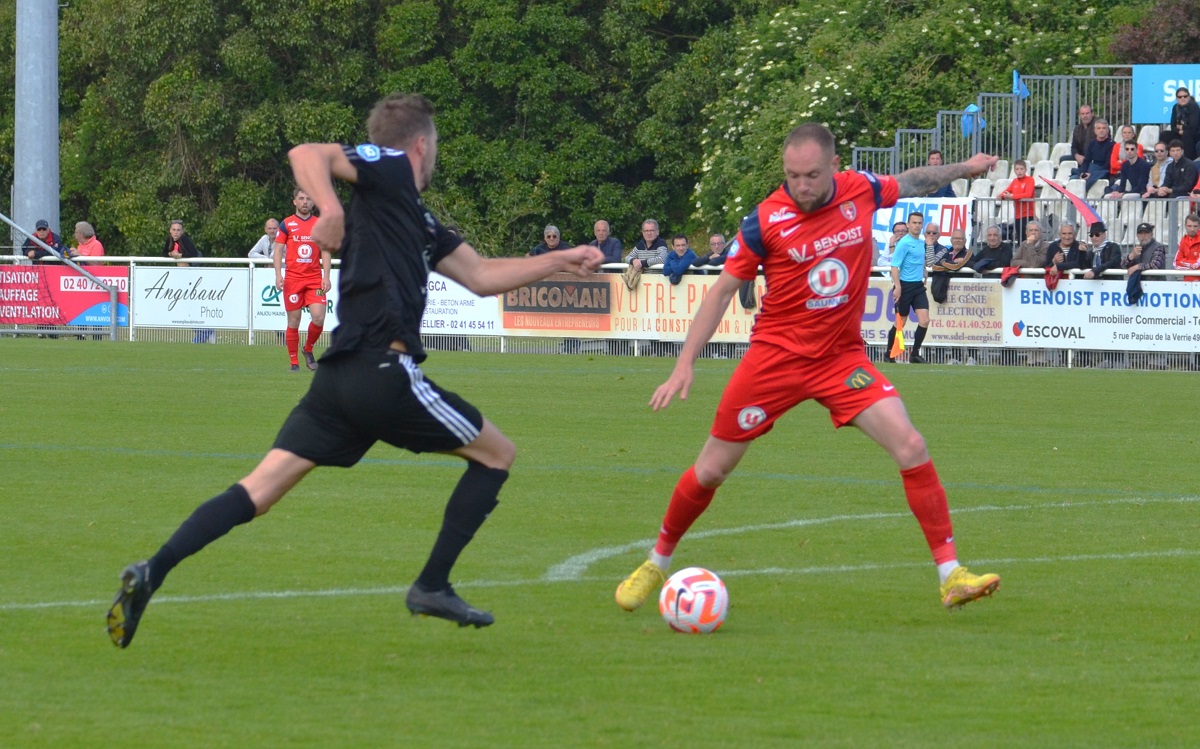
column 560, row 304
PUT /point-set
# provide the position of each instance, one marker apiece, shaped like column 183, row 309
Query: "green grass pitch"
column 1077, row 486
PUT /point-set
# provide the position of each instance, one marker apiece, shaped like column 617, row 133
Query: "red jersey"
column 303, row 257
column 816, row 264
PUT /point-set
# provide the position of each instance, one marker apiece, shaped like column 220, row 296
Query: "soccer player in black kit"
column 369, row 386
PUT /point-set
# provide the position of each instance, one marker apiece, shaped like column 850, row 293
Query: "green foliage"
column 1162, row 33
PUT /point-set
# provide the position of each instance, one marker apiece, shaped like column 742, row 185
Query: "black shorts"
column 362, row 397
column 912, row 296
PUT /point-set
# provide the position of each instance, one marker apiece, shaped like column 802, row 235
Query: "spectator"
column 1134, row 174
column 35, row 251
column 1031, row 253
column 1181, row 173
column 1082, row 135
column 995, row 253
column 677, row 262
column 1127, row 137
column 1147, row 254
column 946, row 262
column 1105, row 255
column 608, row 244
column 551, row 241
column 650, row 249
column 263, row 248
column 935, row 159
column 1158, row 171
column 899, row 231
column 932, row 247
column 1067, row 253
column 1020, row 191
column 87, row 245
column 717, row 250
column 1097, row 157
column 179, row 245
column 1185, row 122
column 1188, row 256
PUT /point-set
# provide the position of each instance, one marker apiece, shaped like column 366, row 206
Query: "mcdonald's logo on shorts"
column 859, row 379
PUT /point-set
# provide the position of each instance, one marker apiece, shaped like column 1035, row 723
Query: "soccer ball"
column 694, row 600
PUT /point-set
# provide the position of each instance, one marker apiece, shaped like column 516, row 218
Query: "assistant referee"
column 908, row 287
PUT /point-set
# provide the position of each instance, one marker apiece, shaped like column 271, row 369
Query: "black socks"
column 472, row 501
column 208, row 522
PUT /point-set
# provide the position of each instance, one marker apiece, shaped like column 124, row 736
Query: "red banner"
column 55, row 295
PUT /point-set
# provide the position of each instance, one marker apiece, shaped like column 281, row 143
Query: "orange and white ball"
column 694, row 600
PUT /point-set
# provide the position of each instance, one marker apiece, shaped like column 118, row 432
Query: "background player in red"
column 306, row 282
column 812, row 237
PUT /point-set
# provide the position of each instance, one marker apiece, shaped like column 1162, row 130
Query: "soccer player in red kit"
column 812, row 238
column 306, row 281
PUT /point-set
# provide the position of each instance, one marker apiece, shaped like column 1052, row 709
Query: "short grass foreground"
column 1078, row 487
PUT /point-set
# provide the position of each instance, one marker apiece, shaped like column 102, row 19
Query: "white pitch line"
column 574, row 567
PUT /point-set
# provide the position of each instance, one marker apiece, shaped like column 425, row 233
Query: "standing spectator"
column 1181, row 173
column 1134, row 174
column 1188, row 255
column 1158, row 171
column 679, row 260
column 1127, row 137
column 1020, row 191
column 1097, row 157
column 1082, row 135
column 1147, row 254
column 1031, row 253
column 263, row 247
column 35, row 251
column 650, row 249
column 1105, row 255
column 908, row 288
column 551, row 241
column 606, row 242
column 945, row 191
column 994, row 254
column 1067, row 253
column 179, row 245
column 717, row 252
column 945, row 263
column 87, row 245
column 1185, row 122
column 306, row 282
column 932, row 246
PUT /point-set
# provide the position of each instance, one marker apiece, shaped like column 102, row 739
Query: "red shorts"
column 770, row 381
column 301, row 293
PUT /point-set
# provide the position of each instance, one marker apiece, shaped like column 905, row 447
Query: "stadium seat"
column 981, row 187
column 999, row 186
column 1075, row 187
column 1038, row 152
column 1131, row 216
column 1043, row 169
column 1064, row 172
column 960, row 187
column 1001, row 170
column 1098, row 189
column 1059, row 151
column 1049, row 207
column 1156, row 213
column 1148, row 136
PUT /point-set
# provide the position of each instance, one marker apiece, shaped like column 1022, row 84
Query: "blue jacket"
column 1133, row 177
column 675, row 265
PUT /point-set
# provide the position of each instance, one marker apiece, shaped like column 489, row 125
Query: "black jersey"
column 392, row 242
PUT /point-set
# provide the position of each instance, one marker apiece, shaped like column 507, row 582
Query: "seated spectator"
column 935, row 159
column 1134, row 173
column 1181, row 174
column 1031, row 253
column 677, row 262
column 179, row 245
column 899, row 231
column 35, row 251
column 1188, row 255
column 1067, row 253
column 932, row 246
column 1127, row 137
column 1020, row 191
column 1097, row 157
column 1158, row 171
column 608, row 244
column 945, row 263
column 994, row 253
column 650, row 249
column 1105, row 255
column 551, row 241
column 87, row 245
column 1147, row 254
column 263, row 248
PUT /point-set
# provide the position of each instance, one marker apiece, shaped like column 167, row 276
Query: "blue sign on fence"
column 1154, row 90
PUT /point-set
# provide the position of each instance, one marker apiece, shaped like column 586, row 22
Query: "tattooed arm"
column 923, row 180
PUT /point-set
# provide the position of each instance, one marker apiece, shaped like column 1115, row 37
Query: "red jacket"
column 1021, row 192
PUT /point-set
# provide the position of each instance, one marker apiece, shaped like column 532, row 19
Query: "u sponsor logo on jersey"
column 849, row 211
column 304, row 252
column 750, row 417
column 828, row 277
column 293, row 298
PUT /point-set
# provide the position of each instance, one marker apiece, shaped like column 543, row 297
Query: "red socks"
column 292, row 339
column 927, row 500
column 688, row 502
column 314, row 332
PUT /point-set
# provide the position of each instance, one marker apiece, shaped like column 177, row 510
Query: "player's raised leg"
column 692, row 496
column 489, row 457
column 278, row 472
column 886, row 421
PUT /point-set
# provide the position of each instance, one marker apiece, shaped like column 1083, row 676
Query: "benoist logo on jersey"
column 782, row 214
column 828, row 279
column 750, row 417
column 849, row 211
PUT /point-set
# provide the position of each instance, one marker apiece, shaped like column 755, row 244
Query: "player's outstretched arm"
column 923, row 180
column 314, row 166
column 496, row 275
column 708, row 317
